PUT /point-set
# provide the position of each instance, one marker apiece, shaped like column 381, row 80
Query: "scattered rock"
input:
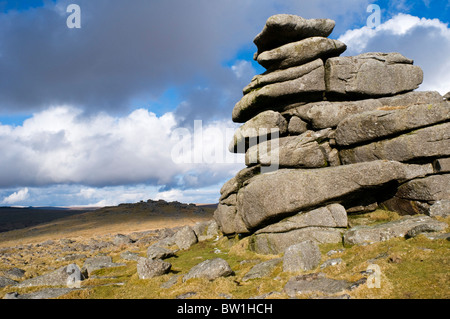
column 331, row 262
column 370, row 234
column 150, row 268
column 301, row 257
column 98, row 262
column 209, row 269
column 261, row 270
column 14, row 273
column 157, row 252
column 314, row 283
column 186, row 295
column 172, row 281
column 121, row 239
column 64, row 276
column 185, row 238
column 127, row 255
column 49, row 293
column 4, row 282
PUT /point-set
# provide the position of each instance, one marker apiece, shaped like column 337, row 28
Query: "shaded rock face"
column 351, row 134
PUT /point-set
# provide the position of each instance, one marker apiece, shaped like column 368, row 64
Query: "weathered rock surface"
column 440, row 208
column 281, row 29
column 150, row 268
column 291, row 151
column 310, row 84
column 276, row 243
column 301, row 257
column 229, row 220
column 442, row 165
column 297, row 126
column 185, row 238
column 325, row 114
column 157, row 252
column 372, row 74
column 430, row 188
column 314, row 283
column 48, row 293
column 262, row 270
column 288, row 191
column 278, row 76
column 382, row 232
column 378, row 124
column 4, row 281
column 98, row 262
column 206, row 230
column 447, row 96
column 423, row 143
column 262, row 125
column 209, row 269
column 301, row 52
column 63, row 276
column 333, row 215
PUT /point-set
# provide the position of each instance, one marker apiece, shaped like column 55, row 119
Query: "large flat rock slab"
column 379, row 124
column 382, row 232
column 285, row 192
column 291, row 151
column 316, row 282
column 311, row 84
column 281, row 29
column 429, row 142
column 333, row 215
column 277, row 243
column 301, row 52
column 372, row 74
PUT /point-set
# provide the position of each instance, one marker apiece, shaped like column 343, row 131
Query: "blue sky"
column 90, row 116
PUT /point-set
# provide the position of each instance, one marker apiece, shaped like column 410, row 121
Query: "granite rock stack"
column 325, row 136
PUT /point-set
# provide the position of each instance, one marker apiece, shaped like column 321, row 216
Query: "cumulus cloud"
column 17, row 197
column 56, row 146
column 426, row 41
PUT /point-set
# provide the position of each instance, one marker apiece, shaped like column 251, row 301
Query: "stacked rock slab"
column 325, row 136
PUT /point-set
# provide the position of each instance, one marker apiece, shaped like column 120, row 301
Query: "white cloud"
column 60, row 146
column 426, row 41
column 17, row 197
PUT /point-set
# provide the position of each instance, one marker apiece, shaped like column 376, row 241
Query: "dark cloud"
column 131, row 49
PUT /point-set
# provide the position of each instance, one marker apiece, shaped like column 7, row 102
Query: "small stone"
column 331, row 262
column 156, row 252
column 301, row 257
column 149, row 268
column 209, row 269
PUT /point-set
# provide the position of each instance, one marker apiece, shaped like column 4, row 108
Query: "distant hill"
column 12, row 218
column 24, row 224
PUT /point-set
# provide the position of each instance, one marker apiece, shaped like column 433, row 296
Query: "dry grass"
column 410, row 268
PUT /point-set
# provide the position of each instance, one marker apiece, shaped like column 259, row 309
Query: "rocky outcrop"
column 325, row 136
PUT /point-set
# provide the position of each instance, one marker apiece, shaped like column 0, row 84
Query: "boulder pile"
column 325, row 136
